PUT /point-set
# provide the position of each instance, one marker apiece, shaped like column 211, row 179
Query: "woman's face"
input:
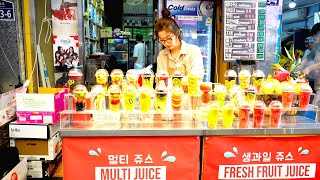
column 168, row 39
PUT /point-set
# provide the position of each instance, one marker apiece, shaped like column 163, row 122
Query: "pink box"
column 42, row 108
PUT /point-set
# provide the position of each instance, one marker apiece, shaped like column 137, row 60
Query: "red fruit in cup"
column 205, row 87
column 206, row 97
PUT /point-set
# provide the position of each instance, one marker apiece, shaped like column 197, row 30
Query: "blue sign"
column 6, row 11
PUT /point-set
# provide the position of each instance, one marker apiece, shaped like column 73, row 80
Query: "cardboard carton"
column 18, row 172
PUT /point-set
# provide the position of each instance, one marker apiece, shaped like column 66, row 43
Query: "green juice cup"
column 161, row 97
column 148, row 78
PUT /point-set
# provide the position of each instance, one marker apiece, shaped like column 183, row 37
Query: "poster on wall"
column 64, row 17
column 64, row 39
column 66, row 50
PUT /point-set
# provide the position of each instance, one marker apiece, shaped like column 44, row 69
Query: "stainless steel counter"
column 290, row 126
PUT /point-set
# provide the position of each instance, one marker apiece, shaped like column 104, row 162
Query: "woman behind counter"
column 177, row 55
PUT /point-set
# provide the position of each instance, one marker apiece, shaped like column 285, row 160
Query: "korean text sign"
column 131, row 158
column 261, row 158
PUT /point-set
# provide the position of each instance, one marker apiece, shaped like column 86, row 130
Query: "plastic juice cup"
column 258, row 114
column 162, row 76
column 102, row 77
column 220, row 93
column 75, row 78
column 148, row 79
column 287, row 97
column 230, row 77
column 161, row 97
column 250, row 95
column 227, row 114
column 176, row 97
column 114, row 98
column 304, row 97
column 117, row 77
column 132, row 77
column 80, row 97
column 276, row 109
column 193, row 84
column 244, row 114
column 213, row 114
column 244, row 79
column 130, row 98
column 257, row 78
column 145, row 99
column 98, row 97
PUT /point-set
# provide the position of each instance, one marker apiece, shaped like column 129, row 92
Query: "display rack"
column 93, row 22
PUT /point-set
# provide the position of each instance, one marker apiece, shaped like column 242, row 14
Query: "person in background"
column 309, row 42
column 177, row 55
column 139, row 53
column 315, row 56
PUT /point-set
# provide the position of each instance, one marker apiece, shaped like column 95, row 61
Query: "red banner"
column 261, row 158
column 131, row 158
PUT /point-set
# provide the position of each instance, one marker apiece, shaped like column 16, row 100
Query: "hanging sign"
column 6, row 11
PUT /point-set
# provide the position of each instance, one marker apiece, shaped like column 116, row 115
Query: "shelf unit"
column 93, row 11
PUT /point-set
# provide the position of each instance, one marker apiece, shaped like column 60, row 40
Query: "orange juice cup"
column 304, row 98
column 276, row 109
column 287, row 97
column 258, row 114
column 176, row 97
column 244, row 114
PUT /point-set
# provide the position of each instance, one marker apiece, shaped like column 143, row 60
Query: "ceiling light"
column 292, row 4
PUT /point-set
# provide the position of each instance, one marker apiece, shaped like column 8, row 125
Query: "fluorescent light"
column 292, row 4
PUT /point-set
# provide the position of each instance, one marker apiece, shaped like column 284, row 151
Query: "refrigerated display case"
column 119, row 50
column 196, row 23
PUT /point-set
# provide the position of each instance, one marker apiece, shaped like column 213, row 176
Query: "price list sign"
column 244, row 29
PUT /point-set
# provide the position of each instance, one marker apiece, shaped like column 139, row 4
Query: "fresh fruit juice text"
column 132, row 77
column 193, row 84
column 80, row 97
column 276, row 109
column 258, row 114
column 206, row 88
column 176, row 98
column 75, row 78
column 148, row 78
column 161, row 97
column 213, row 114
column 244, row 114
column 114, row 92
column 117, row 77
column 98, row 97
column 250, row 95
column 230, row 77
column 227, row 114
column 130, row 97
column 162, row 76
column 258, row 77
column 244, row 79
column 145, row 99
column 102, row 76
column 220, row 93
column 177, row 79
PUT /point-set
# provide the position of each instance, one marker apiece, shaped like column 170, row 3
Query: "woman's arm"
column 313, row 67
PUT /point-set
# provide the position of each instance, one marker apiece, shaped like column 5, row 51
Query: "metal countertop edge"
column 188, row 132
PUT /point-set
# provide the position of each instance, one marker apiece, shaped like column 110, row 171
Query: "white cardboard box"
column 19, row 172
column 38, row 149
column 38, row 131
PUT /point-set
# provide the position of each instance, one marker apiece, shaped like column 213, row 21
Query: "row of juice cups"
column 244, row 110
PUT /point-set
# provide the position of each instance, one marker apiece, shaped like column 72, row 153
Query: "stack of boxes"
column 36, row 131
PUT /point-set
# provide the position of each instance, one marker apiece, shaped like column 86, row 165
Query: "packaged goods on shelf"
column 18, row 172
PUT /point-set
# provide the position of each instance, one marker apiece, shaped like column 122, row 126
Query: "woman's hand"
column 306, row 71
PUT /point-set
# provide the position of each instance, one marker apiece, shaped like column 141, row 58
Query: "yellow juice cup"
column 213, row 114
column 230, row 77
column 193, row 84
column 227, row 114
column 220, row 93
column 250, row 95
column 244, row 79
column 148, row 78
column 132, row 77
column 117, row 77
column 130, row 98
column 114, row 98
column 145, row 99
